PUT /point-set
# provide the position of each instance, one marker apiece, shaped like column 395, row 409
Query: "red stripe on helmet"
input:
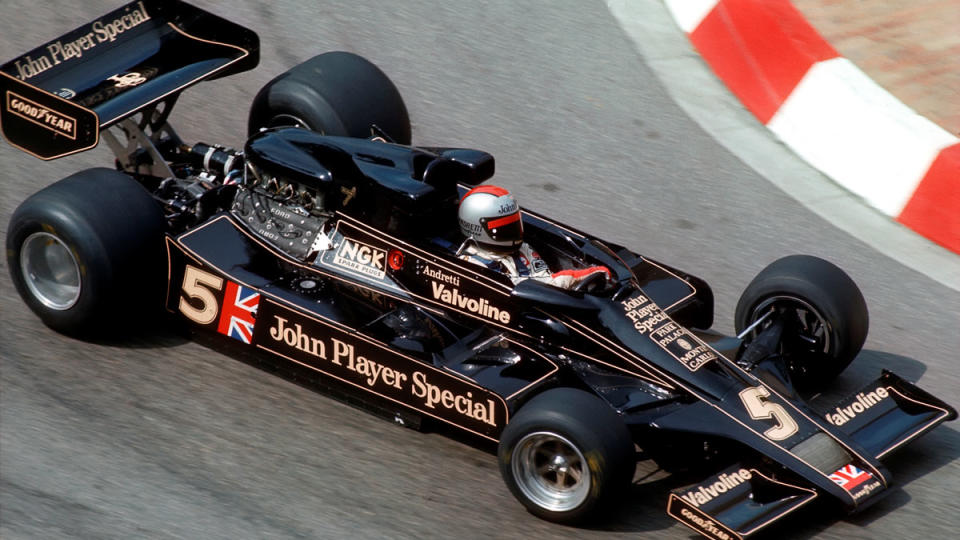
column 496, row 191
column 505, row 220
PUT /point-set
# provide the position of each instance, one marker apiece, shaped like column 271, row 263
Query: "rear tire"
column 565, row 455
column 823, row 310
column 86, row 253
column 335, row 93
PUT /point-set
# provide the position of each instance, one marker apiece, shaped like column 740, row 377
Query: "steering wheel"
column 593, row 283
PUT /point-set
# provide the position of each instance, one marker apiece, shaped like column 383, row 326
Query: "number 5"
column 195, row 283
column 759, row 408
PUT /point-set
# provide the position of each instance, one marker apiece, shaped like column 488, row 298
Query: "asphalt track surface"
column 155, row 436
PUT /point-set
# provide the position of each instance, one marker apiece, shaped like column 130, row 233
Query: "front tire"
column 566, row 455
column 335, row 93
column 823, row 311
column 86, row 253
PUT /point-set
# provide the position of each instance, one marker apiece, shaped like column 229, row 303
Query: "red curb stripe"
column 761, row 49
column 934, row 208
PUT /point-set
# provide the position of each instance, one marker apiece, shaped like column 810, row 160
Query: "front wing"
column 881, row 417
column 736, row 502
column 888, row 413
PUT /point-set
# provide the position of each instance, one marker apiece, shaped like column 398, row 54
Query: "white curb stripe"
column 689, row 13
column 857, row 133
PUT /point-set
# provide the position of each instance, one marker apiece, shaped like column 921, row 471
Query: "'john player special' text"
column 393, row 376
column 651, row 321
column 99, row 31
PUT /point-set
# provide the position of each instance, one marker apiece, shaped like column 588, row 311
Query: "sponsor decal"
column 651, row 321
column 395, row 259
column 30, row 67
column 434, row 396
column 508, row 207
column 361, row 258
column 849, row 477
column 294, row 336
column 698, row 520
column 866, row 489
column 378, row 369
column 32, row 111
column 479, row 306
column 132, row 78
column 109, row 30
column 239, row 312
column 65, row 93
column 440, row 275
column 861, row 403
column 538, row 264
column 725, row 482
column 100, row 31
column 472, row 228
column 114, row 84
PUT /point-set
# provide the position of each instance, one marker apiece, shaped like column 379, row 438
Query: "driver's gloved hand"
column 569, row 278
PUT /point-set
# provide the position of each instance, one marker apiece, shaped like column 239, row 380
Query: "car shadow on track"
column 923, row 457
column 866, row 367
column 160, row 332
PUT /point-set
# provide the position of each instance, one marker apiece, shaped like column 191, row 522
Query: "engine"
column 287, row 215
column 283, row 214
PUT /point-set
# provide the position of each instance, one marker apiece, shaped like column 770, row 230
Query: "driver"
column 490, row 217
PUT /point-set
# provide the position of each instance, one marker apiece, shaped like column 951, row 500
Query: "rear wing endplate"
column 55, row 99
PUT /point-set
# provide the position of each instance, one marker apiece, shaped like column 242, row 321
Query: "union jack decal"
column 849, row 477
column 239, row 312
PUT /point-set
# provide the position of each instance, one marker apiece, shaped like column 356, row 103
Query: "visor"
column 505, row 228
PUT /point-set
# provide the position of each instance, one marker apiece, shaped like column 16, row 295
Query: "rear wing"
column 58, row 97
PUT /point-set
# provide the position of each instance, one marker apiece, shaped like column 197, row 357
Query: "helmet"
column 491, row 216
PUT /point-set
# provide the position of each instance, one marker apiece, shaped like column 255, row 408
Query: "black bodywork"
column 407, row 267
column 470, row 347
column 393, row 256
column 363, row 285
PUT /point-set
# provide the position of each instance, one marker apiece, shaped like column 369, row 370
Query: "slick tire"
column 825, row 316
column 86, row 253
column 335, row 93
column 566, row 455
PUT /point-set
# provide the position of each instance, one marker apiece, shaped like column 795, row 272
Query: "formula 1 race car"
column 330, row 245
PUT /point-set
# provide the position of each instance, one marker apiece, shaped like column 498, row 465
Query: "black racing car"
column 329, row 244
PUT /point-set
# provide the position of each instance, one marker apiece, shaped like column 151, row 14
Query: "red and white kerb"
column 829, row 112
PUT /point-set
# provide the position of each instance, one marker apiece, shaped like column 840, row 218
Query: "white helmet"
column 491, row 216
